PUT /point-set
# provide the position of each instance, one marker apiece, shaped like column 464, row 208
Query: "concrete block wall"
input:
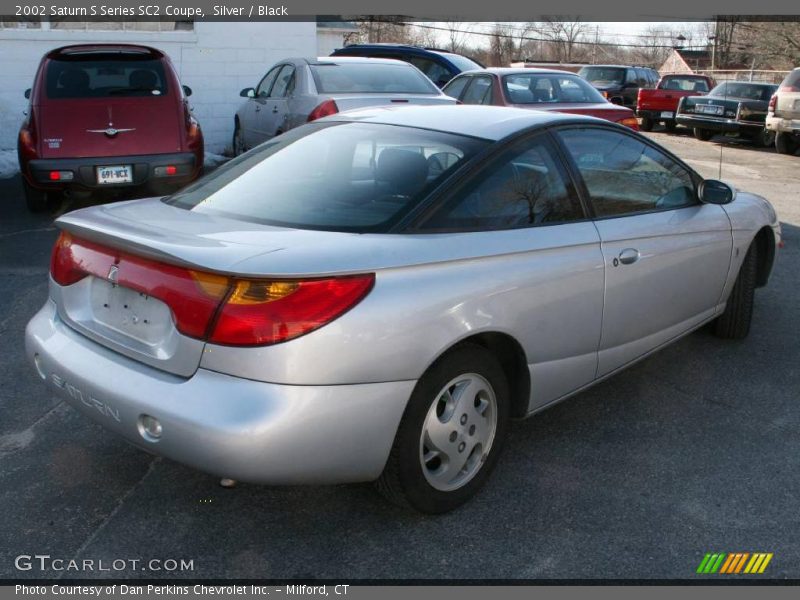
column 216, row 60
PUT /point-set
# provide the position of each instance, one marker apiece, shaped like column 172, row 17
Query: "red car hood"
column 75, row 128
column 601, row 110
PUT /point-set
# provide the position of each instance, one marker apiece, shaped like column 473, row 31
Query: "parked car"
column 783, row 116
column 660, row 104
column 296, row 91
column 105, row 118
column 439, row 65
column 539, row 89
column 620, row 83
column 373, row 295
column 733, row 107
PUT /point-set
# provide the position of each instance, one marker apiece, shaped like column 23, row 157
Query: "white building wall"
column 216, row 60
column 329, row 40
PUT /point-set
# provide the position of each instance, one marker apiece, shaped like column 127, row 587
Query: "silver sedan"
column 297, row 90
column 374, row 295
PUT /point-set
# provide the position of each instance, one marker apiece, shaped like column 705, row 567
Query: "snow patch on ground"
column 9, row 165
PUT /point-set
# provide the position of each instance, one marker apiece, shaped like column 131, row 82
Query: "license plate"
column 114, row 174
column 710, row 109
column 667, row 114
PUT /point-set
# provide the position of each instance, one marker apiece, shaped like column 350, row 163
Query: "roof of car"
column 355, row 59
column 525, row 71
column 487, row 122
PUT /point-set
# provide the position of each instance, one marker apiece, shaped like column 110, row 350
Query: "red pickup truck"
column 659, row 104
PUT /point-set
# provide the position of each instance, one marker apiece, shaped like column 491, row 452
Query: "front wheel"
column 785, row 143
column 703, row 134
column 734, row 322
column 238, row 140
column 451, row 433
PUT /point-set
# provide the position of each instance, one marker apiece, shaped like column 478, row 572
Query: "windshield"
column 332, row 176
column 551, row 88
column 603, row 74
column 102, row 78
column 747, row 91
column 364, row 78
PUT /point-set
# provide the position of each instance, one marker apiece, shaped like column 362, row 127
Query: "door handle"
column 274, row 109
column 258, row 109
column 628, row 256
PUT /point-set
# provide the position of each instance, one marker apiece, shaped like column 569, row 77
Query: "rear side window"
column 360, row 177
column 98, row 78
column 433, row 70
column 365, row 78
column 524, row 187
column 533, row 89
column 626, row 176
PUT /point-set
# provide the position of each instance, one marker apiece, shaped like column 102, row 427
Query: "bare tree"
column 564, row 33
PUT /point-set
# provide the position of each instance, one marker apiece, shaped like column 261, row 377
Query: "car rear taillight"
column 773, row 102
column 631, row 122
column 325, row 109
column 258, row 313
column 213, row 307
column 789, row 88
column 26, row 142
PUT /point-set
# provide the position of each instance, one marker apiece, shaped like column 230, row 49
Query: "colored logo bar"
column 732, row 563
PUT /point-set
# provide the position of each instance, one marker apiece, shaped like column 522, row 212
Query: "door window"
column 435, row 72
column 479, row 91
column 624, row 175
column 284, row 82
column 262, row 91
column 524, row 187
column 456, row 86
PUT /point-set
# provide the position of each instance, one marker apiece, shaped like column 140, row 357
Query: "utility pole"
column 596, row 42
column 714, row 39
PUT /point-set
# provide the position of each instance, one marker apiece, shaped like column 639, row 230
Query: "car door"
column 252, row 122
column 275, row 115
column 666, row 254
column 522, row 206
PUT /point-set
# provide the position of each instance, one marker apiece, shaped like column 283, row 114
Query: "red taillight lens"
column 631, row 122
column 323, row 110
column 243, row 312
column 773, row 102
column 788, row 88
column 267, row 312
column 26, row 142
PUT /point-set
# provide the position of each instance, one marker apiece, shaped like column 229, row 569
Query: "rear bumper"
column 228, row 426
column 656, row 115
column 84, row 171
column 721, row 125
column 782, row 125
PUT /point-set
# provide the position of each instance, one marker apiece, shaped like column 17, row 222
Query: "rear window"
column 792, row 81
column 365, row 78
column 746, row 91
column 686, row 84
column 462, row 63
column 538, row 89
column 600, row 75
column 105, row 77
column 359, row 177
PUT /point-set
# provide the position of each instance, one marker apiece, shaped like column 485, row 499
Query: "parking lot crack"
column 120, row 503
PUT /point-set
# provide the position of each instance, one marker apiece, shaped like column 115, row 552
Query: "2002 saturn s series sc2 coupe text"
column 373, row 295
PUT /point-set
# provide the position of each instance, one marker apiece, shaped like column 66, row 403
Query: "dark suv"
column 620, row 83
column 440, row 66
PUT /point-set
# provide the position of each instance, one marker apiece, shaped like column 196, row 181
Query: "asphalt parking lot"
column 693, row 450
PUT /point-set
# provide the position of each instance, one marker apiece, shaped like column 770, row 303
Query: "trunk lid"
column 602, row 110
column 90, row 127
column 353, row 101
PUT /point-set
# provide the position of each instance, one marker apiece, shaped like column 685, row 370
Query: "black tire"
column 703, row 134
column 403, row 480
column 237, row 143
column 734, row 322
column 646, row 124
column 785, row 143
column 670, row 125
column 37, row 201
column 764, row 138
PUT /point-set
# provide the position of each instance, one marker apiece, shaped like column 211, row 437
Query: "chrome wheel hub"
column 458, row 432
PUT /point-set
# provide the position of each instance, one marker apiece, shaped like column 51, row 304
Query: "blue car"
column 440, row 66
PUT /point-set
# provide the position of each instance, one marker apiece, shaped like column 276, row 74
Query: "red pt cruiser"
column 107, row 117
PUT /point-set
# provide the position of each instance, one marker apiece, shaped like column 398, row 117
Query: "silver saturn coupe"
column 374, row 295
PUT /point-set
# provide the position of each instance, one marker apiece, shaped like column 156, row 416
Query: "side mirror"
column 187, row 90
column 248, row 93
column 617, row 100
column 713, row 191
column 28, row 94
